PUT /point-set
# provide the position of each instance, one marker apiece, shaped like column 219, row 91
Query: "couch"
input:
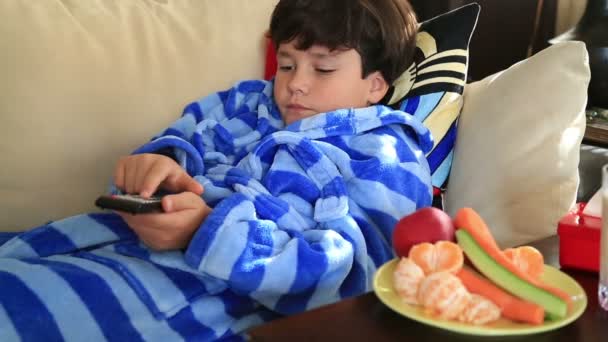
column 85, row 82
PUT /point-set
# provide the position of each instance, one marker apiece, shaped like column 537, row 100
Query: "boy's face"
column 318, row 80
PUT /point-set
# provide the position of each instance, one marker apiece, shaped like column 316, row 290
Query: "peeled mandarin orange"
column 443, row 295
column 528, row 259
column 406, row 279
column 441, row 256
column 479, row 310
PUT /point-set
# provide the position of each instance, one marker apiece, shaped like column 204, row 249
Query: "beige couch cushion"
column 517, row 151
column 84, row 82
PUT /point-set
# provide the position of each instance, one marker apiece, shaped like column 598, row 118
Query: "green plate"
column 383, row 286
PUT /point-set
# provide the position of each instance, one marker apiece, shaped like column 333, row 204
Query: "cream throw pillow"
column 84, row 82
column 517, row 150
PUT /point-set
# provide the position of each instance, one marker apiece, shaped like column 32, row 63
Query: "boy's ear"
column 378, row 87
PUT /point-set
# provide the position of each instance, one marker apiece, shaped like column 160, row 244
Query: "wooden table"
column 365, row 318
column 596, row 133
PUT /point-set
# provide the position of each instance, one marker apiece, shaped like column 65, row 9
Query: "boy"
column 305, row 175
column 351, row 69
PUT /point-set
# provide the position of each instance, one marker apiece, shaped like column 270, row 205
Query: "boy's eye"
column 325, row 71
column 285, row 67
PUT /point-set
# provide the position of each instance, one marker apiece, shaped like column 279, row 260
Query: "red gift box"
column 579, row 240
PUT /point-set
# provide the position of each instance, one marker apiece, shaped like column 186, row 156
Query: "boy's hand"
column 143, row 173
column 173, row 229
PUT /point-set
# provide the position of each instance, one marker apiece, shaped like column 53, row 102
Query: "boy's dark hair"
column 382, row 31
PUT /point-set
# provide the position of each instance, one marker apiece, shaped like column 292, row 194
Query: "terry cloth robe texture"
column 302, row 216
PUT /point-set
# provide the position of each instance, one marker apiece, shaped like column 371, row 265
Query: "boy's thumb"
column 177, row 202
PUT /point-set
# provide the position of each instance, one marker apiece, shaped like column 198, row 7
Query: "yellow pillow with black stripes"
column 431, row 89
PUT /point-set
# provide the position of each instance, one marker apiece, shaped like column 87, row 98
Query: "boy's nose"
column 299, row 83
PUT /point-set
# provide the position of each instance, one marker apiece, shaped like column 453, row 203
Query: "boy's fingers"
column 142, row 222
column 143, row 169
column 143, row 175
column 171, row 176
column 158, row 173
column 130, row 177
column 119, row 175
column 184, row 182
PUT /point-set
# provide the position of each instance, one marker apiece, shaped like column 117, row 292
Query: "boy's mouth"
column 296, row 107
column 294, row 111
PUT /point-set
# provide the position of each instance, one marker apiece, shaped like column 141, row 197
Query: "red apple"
column 428, row 224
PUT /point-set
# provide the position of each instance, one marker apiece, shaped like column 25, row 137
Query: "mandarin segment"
column 449, row 256
column 423, row 254
column 441, row 256
column 479, row 310
column 443, row 295
column 528, row 259
column 406, row 279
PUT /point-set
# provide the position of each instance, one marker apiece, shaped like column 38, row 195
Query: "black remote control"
column 133, row 204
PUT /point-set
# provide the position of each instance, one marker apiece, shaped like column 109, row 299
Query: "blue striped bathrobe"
column 302, row 216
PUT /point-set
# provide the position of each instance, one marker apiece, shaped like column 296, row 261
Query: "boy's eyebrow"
column 282, row 53
column 333, row 53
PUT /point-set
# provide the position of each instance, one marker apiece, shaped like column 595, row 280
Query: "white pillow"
column 84, row 82
column 517, row 149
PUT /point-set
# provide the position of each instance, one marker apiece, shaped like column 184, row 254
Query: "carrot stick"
column 512, row 307
column 468, row 220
